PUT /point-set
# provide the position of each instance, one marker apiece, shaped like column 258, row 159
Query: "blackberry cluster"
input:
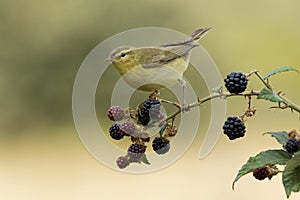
column 127, row 128
column 135, row 152
column 234, row 128
column 262, row 173
column 115, row 132
column 292, row 145
column 150, row 110
column 161, row 145
column 122, row 162
column 115, row 113
column 236, row 82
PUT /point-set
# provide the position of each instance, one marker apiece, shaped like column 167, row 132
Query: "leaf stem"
column 262, row 80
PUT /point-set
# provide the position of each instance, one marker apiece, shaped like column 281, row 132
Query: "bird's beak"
column 108, row 59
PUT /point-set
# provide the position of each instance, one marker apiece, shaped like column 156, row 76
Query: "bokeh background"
column 42, row 46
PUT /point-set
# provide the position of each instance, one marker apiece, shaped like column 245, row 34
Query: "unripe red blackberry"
column 127, row 128
column 236, row 82
column 292, row 145
column 234, row 128
column 161, row 145
column 122, row 162
column 135, row 152
column 115, row 132
column 115, row 113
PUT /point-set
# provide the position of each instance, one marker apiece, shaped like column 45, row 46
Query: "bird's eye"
column 123, row 54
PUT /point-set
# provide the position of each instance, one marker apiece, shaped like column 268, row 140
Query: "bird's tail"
column 195, row 37
column 199, row 33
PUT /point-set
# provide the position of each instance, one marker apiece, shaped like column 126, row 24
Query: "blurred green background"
column 42, row 46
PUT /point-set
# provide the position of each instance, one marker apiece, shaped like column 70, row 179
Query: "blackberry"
column 236, row 82
column 150, row 109
column 154, row 111
column 161, row 145
column 115, row 132
column 292, row 145
column 262, row 173
column 122, row 162
column 144, row 119
column 115, row 113
column 161, row 116
column 135, row 152
column 234, row 128
column 127, row 128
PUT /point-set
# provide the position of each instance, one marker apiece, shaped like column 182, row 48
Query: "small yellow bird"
column 156, row 67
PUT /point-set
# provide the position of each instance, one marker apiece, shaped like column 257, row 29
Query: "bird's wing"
column 156, row 57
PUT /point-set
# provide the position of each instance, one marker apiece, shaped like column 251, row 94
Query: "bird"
column 152, row 68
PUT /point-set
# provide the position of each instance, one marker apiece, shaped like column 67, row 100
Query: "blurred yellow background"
column 42, row 46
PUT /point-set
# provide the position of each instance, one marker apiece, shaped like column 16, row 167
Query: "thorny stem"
column 290, row 104
column 205, row 99
column 248, row 94
column 262, row 80
column 172, row 116
column 286, row 102
column 222, row 94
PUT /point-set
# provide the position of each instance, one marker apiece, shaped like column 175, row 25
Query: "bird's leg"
column 183, row 85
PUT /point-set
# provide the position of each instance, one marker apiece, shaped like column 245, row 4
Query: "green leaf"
column 269, row 95
column 281, row 137
column 145, row 160
column 291, row 176
column 269, row 157
column 279, row 70
column 217, row 89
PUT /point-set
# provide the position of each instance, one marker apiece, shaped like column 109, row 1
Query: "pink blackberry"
column 127, row 128
column 115, row 113
column 122, row 162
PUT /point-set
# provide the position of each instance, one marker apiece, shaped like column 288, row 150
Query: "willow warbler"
column 155, row 67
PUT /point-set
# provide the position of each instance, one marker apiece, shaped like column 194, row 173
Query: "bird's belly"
column 150, row 79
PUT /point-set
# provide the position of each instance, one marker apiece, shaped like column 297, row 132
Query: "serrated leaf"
column 145, row 160
column 281, row 137
column 279, row 70
column 217, row 89
column 269, row 157
column 269, row 95
column 291, row 176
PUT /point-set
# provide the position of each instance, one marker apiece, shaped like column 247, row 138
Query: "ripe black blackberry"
column 115, row 113
column 234, row 128
column 292, row 145
column 236, row 82
column 122, row 162
column 262, row 173
column 115, row 132
column 144, row 119
column 135, row 152
column 150, row 109
column 161, row 145
column 127, row 128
